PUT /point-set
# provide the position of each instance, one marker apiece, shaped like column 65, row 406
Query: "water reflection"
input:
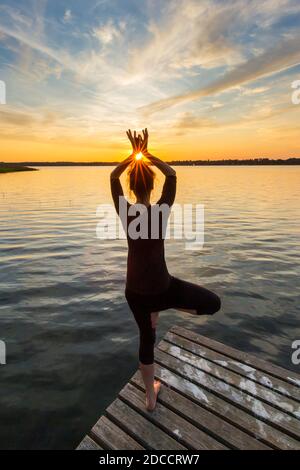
column 71, row 340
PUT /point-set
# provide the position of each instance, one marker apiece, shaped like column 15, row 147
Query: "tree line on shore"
column 236, row 161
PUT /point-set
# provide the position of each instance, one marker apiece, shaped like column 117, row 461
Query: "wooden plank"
column 212, row 397
column 173, row 424
column 268, row 381
column 88, row 444
column 141, row 428
column 223, row 431
column 285, row 404
column 263, row 411
column 227, row 411
column 251, row 360
column 112, row 437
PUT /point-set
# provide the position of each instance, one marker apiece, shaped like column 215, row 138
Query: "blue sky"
column 209, row 78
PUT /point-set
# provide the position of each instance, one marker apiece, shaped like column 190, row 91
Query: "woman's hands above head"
column 121, row 167
column 139, row 143
column 144, row 141
column 135, row 141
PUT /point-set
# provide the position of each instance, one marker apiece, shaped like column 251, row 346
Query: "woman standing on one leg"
column 149, row 286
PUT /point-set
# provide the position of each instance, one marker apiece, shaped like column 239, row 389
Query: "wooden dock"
column 212, row 397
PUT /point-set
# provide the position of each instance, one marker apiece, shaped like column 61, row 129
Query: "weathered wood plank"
column 251, row 360
column 250, row 372
column 256, row 407
column 112, row 437
column 285, row 404
column 227, row 411
column 223, row 431
column 173, row 424
column 141, row 428
column 212, row 397
column 88, row 444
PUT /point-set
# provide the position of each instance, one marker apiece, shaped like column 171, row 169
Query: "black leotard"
column 147, row 271
column 149, row 286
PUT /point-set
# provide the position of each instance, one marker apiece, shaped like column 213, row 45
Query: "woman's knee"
column 215, row 304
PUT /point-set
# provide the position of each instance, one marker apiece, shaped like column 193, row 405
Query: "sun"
column 139, row 156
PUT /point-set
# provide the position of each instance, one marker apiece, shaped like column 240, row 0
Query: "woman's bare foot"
column 151, row 400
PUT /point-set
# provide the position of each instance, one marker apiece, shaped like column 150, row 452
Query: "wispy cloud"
column 285, row 54
column 108, row 32
column 255, row 90
column 16, row 118
column 189, row 121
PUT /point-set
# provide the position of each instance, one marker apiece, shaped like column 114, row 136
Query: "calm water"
column 71, row 339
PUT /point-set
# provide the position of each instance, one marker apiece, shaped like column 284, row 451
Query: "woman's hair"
column 140, row 178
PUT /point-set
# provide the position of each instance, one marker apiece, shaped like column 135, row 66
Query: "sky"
column 210, row 79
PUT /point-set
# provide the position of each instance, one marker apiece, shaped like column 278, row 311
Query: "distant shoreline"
column 224, row 162
column 11, row 168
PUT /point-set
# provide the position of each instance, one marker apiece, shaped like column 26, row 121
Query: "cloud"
column 37, row 69
column 68, row 16
column 190, row 122
column 217, row 105
column 188, row 34
column 108, row 32
column 17, row 17
column 59, row 56
column 16, row 118
column 254, row 91
column 285, row 54
column 88, row 66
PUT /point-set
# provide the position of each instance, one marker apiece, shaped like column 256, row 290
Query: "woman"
column 149, row 286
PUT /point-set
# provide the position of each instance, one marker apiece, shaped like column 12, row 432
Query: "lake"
column 70, row 337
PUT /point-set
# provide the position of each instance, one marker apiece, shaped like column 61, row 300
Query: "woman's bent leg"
column 193, row 298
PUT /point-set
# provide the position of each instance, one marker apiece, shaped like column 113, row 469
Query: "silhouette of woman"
column 149, row 286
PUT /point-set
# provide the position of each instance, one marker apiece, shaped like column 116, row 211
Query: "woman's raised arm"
column 115, row 183
column 121, row 167
column 166, row 169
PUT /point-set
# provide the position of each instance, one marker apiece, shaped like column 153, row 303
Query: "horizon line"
column 224, row 161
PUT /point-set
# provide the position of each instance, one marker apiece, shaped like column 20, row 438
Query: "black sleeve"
column 117, row 192
column 169, row 191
